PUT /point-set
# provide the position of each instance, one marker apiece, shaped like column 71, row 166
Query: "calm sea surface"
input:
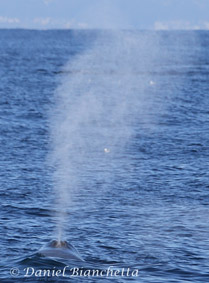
column 150, row 211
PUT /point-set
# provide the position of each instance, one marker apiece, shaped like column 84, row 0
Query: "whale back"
column 60, row 249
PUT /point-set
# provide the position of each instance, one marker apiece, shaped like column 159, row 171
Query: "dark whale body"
column 60, row 249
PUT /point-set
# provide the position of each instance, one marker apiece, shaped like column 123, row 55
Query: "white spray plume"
column 105, row 90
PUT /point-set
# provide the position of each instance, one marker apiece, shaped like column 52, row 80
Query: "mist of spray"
column 103, row 93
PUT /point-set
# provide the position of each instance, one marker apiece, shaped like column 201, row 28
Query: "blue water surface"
column 150, row 212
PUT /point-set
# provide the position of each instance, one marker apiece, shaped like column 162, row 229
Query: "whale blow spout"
column 60, row 249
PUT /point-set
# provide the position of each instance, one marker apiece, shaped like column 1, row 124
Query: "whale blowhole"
column 58, row 244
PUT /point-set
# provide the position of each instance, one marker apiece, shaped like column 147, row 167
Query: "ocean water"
column 136, row 102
